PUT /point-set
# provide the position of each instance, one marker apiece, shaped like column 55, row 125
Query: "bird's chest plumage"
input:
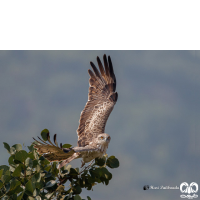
column 92, row 154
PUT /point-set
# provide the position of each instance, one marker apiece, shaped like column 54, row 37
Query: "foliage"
column 30, row 176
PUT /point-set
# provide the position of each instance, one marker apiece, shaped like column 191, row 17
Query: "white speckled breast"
column 90, row 155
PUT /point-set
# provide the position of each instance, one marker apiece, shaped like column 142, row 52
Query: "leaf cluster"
column 30, row 176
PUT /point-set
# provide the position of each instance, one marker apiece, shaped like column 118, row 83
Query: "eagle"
column 92, row 139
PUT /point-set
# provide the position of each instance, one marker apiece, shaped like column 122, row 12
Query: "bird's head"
column 103, row 138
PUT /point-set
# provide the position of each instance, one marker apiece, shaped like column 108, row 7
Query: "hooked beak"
column 108, row 139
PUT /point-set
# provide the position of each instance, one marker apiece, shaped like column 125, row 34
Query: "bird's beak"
column 108, row 139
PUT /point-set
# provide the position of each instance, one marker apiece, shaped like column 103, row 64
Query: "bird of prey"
column 92, row 141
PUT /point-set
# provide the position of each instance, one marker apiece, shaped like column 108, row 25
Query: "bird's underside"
column 92, row 141
column 53, row 152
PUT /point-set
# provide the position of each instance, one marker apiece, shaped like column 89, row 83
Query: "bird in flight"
column 92, row 140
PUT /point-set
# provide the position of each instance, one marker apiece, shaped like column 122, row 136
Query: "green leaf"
column 1, row 172
column 21, row 156
column 66, row 145
column 31, row 155
column 77, row 189
column 73, row 171
column 4, row 167
column 48, row 175
column 44, row 161
column 42, row 158
column 38, row 198
column 48, row 168
column 77, row 169
column 84, row 173
column 90, row 179
column 77, row 197
column 38, row 168
column 29, row 162
column 54, row 168
column 18, row 189
column 30, row 198
column 35, row 154
column 44, row 134
column 50, row 184
column 30, row 187
column 100, row 161
column 39, row 185
column 12, row 150
column 106, row 176
column 106, row 181
column 20, row 196
column 104, row 171
column 1, row 184
column 31, row 148
column 6, row 146
column 49, row 195
column 112, row 162
column 18, row 147
column 12, row 169
column 5, row 178
column 37, row 177
column 35, row 162
column 14, row 183
column 17, row 171
column 60, row 188
column 17, row 161
column 89, row 198
column 96, row 173
column 28, row 172
column 11, row 160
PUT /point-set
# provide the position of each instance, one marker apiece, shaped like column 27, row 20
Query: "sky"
column 154, row 126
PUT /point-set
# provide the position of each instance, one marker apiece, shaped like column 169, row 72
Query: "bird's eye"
column 102, row 137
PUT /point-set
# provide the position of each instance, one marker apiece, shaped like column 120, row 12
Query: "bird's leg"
column 90, row 163
column 87, row 166
column 83, row 163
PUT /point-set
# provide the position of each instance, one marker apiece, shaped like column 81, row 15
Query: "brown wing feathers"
column 52, row 152
column 101, row 100
column 106, row 79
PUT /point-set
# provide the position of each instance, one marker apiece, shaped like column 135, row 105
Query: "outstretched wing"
column 52, row 152
column 101, row 100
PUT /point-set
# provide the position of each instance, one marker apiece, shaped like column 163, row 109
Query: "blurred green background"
column 154, row 126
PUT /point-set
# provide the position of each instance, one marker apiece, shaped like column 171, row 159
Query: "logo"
column 189, row 189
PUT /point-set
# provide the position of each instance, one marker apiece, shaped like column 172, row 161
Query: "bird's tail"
column 68, row 160
column 52, row 152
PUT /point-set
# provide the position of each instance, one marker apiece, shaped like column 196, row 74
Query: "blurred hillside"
column 154, row 126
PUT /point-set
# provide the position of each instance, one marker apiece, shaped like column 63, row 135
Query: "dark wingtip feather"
column 54, row 137
column 91, row 73
column 106, row 69
column 95, row 69
column 55, row 141
column 111, row 68
column 101, row 67
column 112, row 74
